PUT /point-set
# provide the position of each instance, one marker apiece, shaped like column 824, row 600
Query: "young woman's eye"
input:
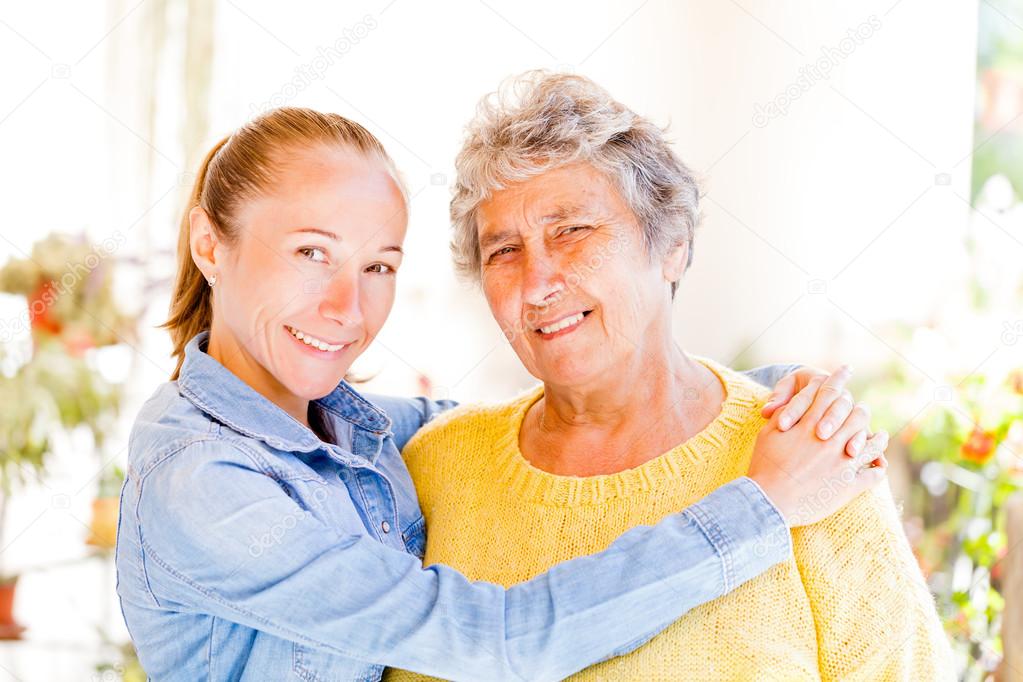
column 382, row 268
column 314, row 253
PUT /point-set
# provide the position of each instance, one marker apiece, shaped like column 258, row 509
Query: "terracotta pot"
column 103, row 528
column 9, row 629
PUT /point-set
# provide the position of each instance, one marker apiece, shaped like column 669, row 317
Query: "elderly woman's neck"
column 628, row 418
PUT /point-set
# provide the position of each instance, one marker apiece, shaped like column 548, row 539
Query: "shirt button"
column 386, row 527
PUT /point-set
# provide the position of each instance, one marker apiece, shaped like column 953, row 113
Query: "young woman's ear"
column 203, row 241
column 675, row 262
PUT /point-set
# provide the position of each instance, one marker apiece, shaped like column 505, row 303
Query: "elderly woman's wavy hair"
column 539, row 121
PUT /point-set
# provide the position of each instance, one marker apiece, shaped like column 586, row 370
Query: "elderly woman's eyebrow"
column 567, row 211
column 491, row 238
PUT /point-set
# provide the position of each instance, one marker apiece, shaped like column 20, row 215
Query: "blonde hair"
column 539, row 121
column 239, row 167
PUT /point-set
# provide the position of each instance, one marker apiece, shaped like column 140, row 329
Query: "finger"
column 855, row 444
column 872, row 452
column 829, row 392
column 780, row 395
column 835, row 415
column 880, row 442
column 869, row 477
column 849, row 432
column 815, row 398
column 797, row 407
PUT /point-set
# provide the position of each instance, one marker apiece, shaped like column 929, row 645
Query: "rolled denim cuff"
column 746, row 530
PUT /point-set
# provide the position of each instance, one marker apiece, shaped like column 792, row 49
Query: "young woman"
column 269, row 528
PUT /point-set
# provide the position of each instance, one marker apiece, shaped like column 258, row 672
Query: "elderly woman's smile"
column 561, row 326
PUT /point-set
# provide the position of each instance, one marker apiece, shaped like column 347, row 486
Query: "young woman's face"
column 310, row 280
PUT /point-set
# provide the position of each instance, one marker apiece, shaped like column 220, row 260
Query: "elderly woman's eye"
column 574, row 229
column 313, row 253
column 502, row 252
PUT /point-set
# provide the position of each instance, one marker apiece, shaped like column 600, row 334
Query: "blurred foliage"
column 53, row 390
column 69, row 287
column 967, row 450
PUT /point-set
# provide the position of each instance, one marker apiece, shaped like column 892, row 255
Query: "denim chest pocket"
column 415, row 537
column 314, row 665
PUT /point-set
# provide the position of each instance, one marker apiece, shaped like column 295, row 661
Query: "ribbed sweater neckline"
column 529, row 483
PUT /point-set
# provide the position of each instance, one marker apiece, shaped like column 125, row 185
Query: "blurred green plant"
column 52, row 392
column 966, row 451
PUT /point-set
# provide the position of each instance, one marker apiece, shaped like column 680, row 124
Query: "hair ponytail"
column 191, row 310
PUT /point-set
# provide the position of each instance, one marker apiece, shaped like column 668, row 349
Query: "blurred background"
column 862, row 172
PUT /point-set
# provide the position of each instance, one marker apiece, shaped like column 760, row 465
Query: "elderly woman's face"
column 567, row 276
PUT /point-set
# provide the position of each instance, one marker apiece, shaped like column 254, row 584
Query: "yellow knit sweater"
column 851, row 604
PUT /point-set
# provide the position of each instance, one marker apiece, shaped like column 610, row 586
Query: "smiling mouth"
column 319, row 344
column 563, row 324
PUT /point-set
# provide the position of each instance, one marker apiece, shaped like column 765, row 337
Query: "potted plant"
column 105, row 508
column 24, row 443
column 68, row 285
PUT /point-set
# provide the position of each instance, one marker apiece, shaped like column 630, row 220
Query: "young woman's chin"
column 313, row 386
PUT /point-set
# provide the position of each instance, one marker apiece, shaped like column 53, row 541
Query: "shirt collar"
column 215, row 390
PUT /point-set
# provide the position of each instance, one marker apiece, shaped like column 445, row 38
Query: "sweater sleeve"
column 874, row 615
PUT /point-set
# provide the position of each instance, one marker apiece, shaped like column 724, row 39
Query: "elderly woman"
column 578, row 219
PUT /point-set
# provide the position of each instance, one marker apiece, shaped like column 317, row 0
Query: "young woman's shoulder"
column 460, row 434
column 172, row 430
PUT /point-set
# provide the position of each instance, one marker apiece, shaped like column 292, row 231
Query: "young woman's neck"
column 225, row 349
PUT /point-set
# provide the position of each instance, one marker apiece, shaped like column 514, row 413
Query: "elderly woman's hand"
column 796, row 393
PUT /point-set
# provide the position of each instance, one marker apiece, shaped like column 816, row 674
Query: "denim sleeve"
column 408, row 415
column 341, row 591
column 769, row 375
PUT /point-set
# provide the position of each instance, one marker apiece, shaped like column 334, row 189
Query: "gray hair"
column 539, row 121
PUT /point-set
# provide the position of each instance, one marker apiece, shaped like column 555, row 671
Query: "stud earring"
column 212, row 280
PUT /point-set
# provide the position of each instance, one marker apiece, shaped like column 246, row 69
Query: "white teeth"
column 563, row 324
column 313, row 341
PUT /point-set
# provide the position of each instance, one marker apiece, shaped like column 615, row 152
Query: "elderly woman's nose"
column 542, row 280
column 340, row 297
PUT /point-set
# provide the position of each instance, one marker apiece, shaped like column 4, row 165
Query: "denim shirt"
column 249, row 549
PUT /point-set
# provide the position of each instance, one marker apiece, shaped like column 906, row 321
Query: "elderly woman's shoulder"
column 472, row 426
column 746, row 387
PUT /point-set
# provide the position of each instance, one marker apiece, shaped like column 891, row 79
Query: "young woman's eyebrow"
column 400, row 251
column 315, row 230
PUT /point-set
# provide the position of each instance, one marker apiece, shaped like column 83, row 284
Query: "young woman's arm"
column 200, row 508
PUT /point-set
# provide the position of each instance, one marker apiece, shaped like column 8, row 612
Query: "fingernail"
column 825, row 428
column 784, row 422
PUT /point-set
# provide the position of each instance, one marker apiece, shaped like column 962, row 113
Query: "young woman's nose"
column 340, row 300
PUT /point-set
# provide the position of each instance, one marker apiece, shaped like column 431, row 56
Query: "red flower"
column 979, row 446
column 40, row 304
